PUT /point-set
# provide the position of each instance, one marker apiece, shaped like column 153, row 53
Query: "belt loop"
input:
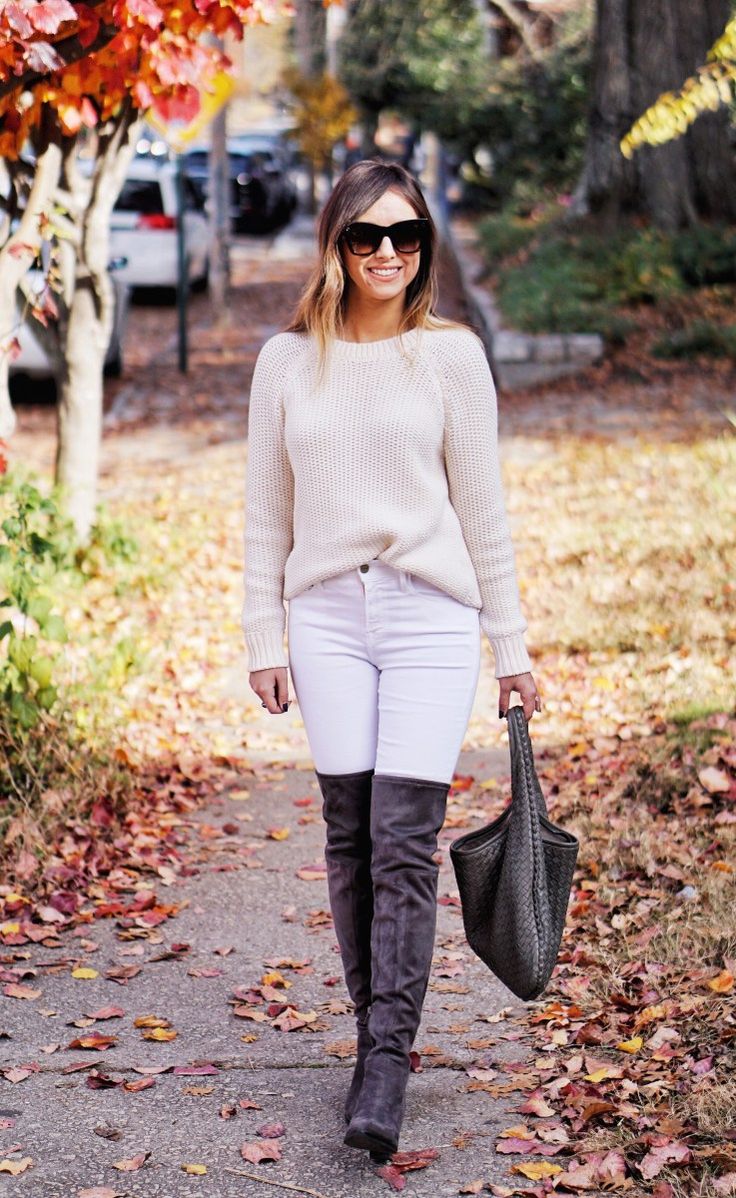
column 405, row 582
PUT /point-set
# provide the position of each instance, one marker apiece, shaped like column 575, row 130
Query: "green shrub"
column 706, row 254
column 503, row 235
column 639, row 268
column 715, row 341
column 34, row 549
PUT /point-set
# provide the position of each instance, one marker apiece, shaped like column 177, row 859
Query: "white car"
column 143, row 228
column 38, row 355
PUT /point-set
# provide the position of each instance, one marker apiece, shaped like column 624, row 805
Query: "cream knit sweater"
column 393, row 454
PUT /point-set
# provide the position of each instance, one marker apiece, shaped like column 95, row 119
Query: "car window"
column 197, row 159
column 140, row 195
column 241, row 163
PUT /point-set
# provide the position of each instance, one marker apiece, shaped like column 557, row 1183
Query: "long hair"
column 323, row 303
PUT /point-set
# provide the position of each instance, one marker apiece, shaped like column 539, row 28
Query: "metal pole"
column 182, row 281
column 219, row 217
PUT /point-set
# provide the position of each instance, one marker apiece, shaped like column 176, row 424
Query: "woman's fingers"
column 272, row 688
column 525, row 686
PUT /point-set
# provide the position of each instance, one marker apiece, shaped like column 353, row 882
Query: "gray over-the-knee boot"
column 406, row 817
column 346, row 810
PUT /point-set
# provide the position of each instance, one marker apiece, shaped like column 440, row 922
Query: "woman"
column 375, row 508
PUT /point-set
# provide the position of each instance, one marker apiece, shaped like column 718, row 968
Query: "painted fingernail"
column 284, row 706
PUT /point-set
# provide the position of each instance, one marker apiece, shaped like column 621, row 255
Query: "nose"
column 385, row 249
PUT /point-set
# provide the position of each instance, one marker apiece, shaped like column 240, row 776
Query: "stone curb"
column 518, row 359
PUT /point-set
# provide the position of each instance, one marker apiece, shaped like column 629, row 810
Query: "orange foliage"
column 83, row 60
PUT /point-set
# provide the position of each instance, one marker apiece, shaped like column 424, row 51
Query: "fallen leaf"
column 261, row 1150
column 655, row 1160
column 722, row 983
column 133, row 1163
column 16, row 1167
column 536, row 1170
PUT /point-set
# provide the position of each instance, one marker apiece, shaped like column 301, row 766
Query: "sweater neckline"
column 370, row 350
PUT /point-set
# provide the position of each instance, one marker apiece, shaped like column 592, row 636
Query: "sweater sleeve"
column 269, row 503
column 476, row 493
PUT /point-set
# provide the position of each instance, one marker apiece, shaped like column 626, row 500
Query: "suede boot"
column 406, row 817
column 346, row 811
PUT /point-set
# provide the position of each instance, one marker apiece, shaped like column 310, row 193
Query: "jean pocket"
column 421, row 587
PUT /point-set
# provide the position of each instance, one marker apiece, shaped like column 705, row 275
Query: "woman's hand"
column 525, row 685
column 272, row 688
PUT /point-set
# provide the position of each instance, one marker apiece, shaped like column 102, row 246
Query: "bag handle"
column 520, row 743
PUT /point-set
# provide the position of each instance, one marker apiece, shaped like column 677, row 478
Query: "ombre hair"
column 323, row 303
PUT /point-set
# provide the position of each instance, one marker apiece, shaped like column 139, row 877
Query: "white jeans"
column 384, row 667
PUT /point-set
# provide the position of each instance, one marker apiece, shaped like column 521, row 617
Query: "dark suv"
column 262, row 192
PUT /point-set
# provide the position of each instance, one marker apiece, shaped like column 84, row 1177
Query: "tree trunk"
column 88, row 322
column 643, row 48
column 16, row 259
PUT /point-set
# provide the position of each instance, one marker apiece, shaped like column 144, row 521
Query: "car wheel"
column 113, row 367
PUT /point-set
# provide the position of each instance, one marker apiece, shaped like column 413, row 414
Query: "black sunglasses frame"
column 374, row 234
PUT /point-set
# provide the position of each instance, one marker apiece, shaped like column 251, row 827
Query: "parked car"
column 36, row 357
column 262, row 192
column 143, row 228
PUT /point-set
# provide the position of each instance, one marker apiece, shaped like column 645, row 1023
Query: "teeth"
column 386, row 271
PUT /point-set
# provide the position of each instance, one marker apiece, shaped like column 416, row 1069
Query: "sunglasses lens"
column 407, row 241
column 364, row 238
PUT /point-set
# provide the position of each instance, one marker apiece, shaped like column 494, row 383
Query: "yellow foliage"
column 673, row 113
column 322, row 114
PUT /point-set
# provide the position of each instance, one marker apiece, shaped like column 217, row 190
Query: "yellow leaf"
column 536, row 1170
column 579, row 749
column 15, row 1167
column 84, row 971
column 603, row 683
column 632, row 1045
column 9, row 928
column 599, row 1075
column 274, row 978
column 199, row 1169
column 517, row 1133
column 722, row 983
column 160, row 1033
column 278, row 833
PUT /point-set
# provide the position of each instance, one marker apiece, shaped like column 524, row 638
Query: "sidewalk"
column 244, row 911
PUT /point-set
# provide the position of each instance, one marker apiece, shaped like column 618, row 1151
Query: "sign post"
column 179, row 136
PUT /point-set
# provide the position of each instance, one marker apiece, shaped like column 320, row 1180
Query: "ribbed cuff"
column 511, row 655
column 265, row 650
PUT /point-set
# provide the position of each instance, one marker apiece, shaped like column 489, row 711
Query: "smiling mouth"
column 384, row 272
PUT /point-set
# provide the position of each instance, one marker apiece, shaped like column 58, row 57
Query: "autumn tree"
column 66, row 67
column 644, row 48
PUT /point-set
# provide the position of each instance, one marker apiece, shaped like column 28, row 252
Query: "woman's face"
column 384, row 274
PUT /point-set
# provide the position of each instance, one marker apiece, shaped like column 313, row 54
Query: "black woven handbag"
column 514, row 878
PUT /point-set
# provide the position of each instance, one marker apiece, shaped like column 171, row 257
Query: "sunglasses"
column 406, row 236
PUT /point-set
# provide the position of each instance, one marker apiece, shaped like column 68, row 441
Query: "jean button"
column 365, row 568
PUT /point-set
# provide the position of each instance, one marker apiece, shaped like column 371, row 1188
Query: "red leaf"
column 392, row 1175
column 146, row 11
column 17, row 19
column 89, row 25
column 49, row 15
column 271, row 1131
column 656, row 1159
column 42, row 57
column 264, row 1150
